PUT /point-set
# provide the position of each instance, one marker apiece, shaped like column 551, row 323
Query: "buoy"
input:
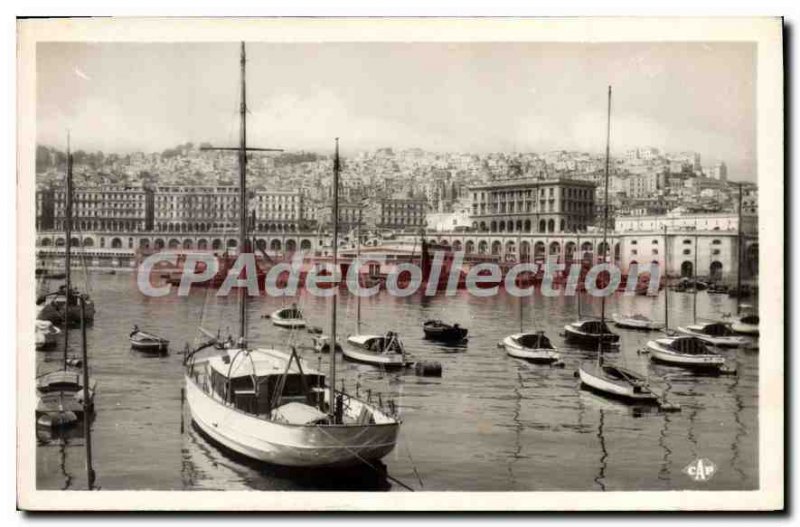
column 428, row 369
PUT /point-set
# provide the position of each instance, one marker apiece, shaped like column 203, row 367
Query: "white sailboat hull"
column 660, row 353
column 517, row 351
column 286, row 444
column 593, row 377
column 722, row 342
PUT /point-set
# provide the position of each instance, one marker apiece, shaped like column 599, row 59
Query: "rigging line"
column 366, row 462
column 413, row 465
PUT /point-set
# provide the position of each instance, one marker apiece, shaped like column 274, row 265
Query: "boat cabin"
column 258, row 382
column 534, row 341
column 688, row 346
column 716, row 329
column 593, row 327
column 389, row 343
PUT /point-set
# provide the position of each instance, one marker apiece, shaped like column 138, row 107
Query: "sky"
column 464, row 97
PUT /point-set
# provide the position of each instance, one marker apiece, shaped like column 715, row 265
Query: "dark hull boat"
column 590, row 333
column 148, row 343
column 443, row 332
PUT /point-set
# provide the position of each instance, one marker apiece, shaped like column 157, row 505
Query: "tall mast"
column 68, row 249
column 694, row 300
column 605, row 200
column 243, row 198
column 335, row 213
column 358, row 274
column 666, row 281
column 739, row 256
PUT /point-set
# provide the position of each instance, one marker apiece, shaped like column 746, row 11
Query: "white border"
column 767, row 32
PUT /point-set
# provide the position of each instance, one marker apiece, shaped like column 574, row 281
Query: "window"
column 716, row 242
column 655, row 251
column 687, row 251
column 634, row 251
column 687, row 242
column 655, row 242
column 715, row 252
column 634, row 242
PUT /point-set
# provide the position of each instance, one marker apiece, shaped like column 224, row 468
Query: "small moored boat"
column 322, row 344
column 616, row 382
column 143, row 341
column 288, row 317
column 590, row 333
column 386, row 351
column 533, row 347
column 635, row 321
column 716, row 333
column 444, row 332
column 685, row 351
column 46, row 334
column 746, row 325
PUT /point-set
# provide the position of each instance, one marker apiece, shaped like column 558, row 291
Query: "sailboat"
column 267, row 404
column 60, row 393
column 62, row 306
column 530, row 346
column 609, row 380
column 711, row 332
column 684, row 351
column 384, row 351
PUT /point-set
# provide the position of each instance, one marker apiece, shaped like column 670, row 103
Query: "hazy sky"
column 478, row 97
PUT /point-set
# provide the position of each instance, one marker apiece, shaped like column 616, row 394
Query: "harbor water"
column 490, row 423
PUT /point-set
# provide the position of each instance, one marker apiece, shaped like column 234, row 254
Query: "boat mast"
column 739, row 256
column 243, row 197
column 666, row 281
column 605, row 200
column 335, row 213
column 694, row 300
column 578, row 289
column 68, row 249
column 358, row 273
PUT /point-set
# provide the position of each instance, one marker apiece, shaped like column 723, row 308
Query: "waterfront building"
column 532, row 205
column 401, row 214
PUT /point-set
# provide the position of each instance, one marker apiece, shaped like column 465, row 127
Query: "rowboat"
column 616, row 382
column 46, row 334
column 58, row 307
column 62, row 391
column 147, row 342
column 443, row 332
column 385, row 351
column 288, row 317
column 716, row 333
column 268, row 405
column 590, row 333
column 686, row 352
column 635, row 321
column 532, row 347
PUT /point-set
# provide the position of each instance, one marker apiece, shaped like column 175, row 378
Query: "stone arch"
column 116, row 243
column 305, row 245
column 159, row 243
column 501, row 227
column 291, row 245
column 555, row 248
column 687, row 269
column 76, row 242
column 493, row 226
column 187, row 243
column 216, row 244
column 527, row 225
column 542, row 225
column 482, row 247
column 551, row 225
column 45, row 242
column 60, row 242
column 457, row 245
column 232, row 244
column 569, row 250
column 511, row 247
column 496, row 247
column 275, row 245
column 261, row 244
column 525, row 249
column 88, row 242
column 202, row 244
column 469, row 247
column 144, row 243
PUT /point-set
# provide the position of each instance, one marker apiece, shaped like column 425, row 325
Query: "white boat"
column 533, row 347
column 263, row 405
column 635, row 321
column 46, row 334
column 322, row 344
column 266, row 404
column 55, row 308
column 716, row 333
column 288, row 317
column 590, row 333
column 616, row 382
column 685, row 351
column 147, row 342
column 386, row 351
column 746, row 325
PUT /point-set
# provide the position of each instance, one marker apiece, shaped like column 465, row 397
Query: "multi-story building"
column 280, row 211
column 401, row 214
column 528, row 205
column 727, row 221
column 121, row 209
